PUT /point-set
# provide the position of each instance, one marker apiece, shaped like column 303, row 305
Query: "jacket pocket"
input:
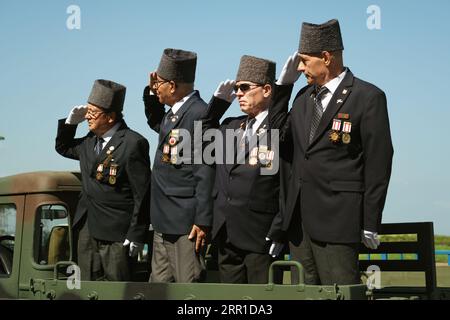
column 347, row 186
column 179, row 191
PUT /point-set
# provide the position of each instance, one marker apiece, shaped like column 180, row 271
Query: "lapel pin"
column 344, row 91
column 339, row 101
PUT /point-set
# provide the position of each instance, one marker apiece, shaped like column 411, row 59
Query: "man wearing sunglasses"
column 112, row 215
column 181, row 205
column 246, row 226
column 341, row 156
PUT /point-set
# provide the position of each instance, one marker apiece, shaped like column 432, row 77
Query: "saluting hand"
column 225, row 90
column 290, row 74
column 152, row 82
column 77, row 114
column 198, row 233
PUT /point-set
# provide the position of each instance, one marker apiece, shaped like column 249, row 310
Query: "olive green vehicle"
column 38, row 260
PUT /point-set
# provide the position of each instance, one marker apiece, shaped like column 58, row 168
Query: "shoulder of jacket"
column 231, row 120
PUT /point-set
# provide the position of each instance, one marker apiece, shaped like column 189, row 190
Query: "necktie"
column 317, row 112
column 244, row 144
column 249, row 129
column 99, row 145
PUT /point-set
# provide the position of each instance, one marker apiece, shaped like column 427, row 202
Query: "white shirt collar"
column 334, row 83
column 178, row 104
column 258, row 120
column 108, row 134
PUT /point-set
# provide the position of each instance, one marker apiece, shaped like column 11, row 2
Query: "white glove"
column 225, row 90
column 135, row 247
column 370, row 239
column 275, row 248
column 289, row 74
column 76, row 115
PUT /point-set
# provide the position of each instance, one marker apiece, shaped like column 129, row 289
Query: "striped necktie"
column 317, row 112
column 99, row 145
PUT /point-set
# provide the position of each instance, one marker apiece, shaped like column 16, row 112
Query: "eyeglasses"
column 244, row 87
column 94, row 114
column 159, row 83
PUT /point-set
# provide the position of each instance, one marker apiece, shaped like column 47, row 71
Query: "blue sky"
column 45, row 69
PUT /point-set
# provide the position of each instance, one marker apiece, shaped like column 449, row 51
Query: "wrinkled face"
column 313, row 67
column 98, row 120
column 252, row 97
column 163, row 90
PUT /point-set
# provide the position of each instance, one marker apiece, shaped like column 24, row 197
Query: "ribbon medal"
column 174, row 137
column 173, row 155
column 253, row 160
column 264, row 156
column 334, row 134
column 166, row 152
column 99, row 175
column 112, row 173
column 346, row 129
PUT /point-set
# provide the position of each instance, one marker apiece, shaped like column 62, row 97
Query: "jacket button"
column 231, row 178
column 306, row 156
column 229, row 198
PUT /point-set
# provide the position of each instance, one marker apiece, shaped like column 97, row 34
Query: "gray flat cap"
column 316, row 38
column 256, row 70
column 178, row 65
column 108, row 95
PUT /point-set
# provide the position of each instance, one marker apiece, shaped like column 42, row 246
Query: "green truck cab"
column 38, row 259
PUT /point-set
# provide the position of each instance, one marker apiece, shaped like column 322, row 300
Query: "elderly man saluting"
column 247, row 224
column 112, row 215
column 341, row 156
column 181, row 205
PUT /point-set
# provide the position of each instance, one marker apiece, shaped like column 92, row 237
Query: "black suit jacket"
column 181, row 193
column 341, row 187
column 119, row 211
column 245, row 200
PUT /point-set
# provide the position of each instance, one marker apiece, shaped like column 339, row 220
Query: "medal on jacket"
column 253, row 159
column 334, row 133
column 166, row 153
column 174, row 137
column 265, row 156
column 262, row 155
column 261, row 131
column 112, row 173
column 173, row 155
column 346, row 129
column 99, row 175
column 174, row 118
